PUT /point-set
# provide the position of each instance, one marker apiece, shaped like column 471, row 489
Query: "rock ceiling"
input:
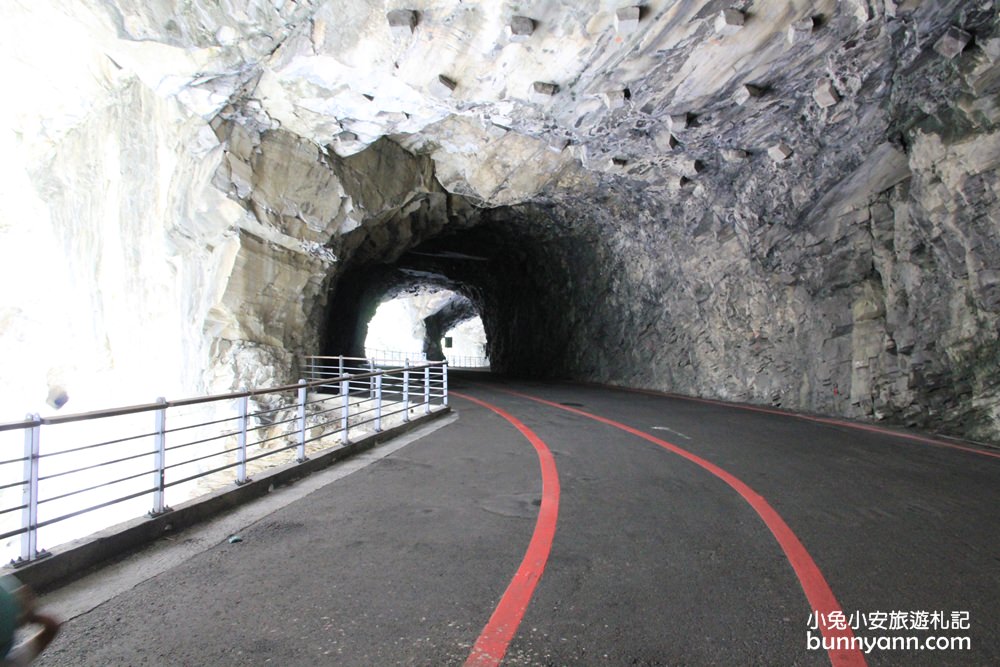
column 509, row 98
column 784, row 202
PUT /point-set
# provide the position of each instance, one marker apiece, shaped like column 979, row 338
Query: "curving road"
column 555, row 524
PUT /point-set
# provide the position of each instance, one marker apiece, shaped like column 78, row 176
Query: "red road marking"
column 491, row 646
column 813, row 583
column 818, row 420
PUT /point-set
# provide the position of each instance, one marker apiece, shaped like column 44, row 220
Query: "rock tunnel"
column 787, row 204
column 513, row 268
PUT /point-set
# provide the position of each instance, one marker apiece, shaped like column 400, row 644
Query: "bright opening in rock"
column 468, row 345
column 397, row 330
column 428, row 324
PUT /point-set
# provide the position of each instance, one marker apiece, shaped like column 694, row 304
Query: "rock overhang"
column 687, row 196
column 340, row 77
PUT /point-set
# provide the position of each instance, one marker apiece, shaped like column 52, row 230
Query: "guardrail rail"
column 464, row 361
column 80, row 473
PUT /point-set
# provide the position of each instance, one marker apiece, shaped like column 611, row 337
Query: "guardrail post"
column 427, row 390
column 444, row 383
column 241, row 439
column 29, row 515
column 160, row 455
column 301, row 457
column 345, row 390
column 371, row 380
column 406, row 390
column 378, row 403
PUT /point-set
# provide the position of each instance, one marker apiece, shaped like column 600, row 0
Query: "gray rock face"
column 794, row 205
column 456, row 310
column 860, row 280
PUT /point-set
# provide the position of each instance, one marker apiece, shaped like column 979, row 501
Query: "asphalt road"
column 704, row 536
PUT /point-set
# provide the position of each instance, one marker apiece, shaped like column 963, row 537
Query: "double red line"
column 491, row 646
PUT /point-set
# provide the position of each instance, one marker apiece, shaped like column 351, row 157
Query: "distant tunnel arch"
column 413, row 324
column 512, row 269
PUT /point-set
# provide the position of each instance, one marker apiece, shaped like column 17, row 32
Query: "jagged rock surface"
column 800, row 210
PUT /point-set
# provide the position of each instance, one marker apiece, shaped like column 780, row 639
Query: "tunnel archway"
column 413, row 325
column 520, row 268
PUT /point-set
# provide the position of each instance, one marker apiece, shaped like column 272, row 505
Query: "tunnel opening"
column 427, row 323
column 465, row 344
column 526, row 272
column 396, row 332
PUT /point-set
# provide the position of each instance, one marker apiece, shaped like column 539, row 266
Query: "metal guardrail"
column 108, row 465
column 457, row 361
column 384, row 357
column 394, row 355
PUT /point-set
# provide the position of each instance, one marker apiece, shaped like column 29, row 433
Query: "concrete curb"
column 79, row 557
